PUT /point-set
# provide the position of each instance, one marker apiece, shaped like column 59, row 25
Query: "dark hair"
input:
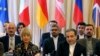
column 53, row 21
column 75, row 32
column 82, row 23
column 20, row 23
column 55, row 26
column 89, row 25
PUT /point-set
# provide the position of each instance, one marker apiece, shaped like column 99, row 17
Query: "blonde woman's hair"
column 25, row 31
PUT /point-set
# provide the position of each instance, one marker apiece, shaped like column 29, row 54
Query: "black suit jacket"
column 1, row 49
column 97, row 49
column 46, row 36
column 5, row 41
column 63, row 50
column 49, row 47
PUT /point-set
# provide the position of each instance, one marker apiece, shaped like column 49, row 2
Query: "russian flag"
column 96, row 13
column 78, row 12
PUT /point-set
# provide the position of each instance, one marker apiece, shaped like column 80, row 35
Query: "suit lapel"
column 68, row 50
column 76, row 50
column 58, row 42
column 15, row 40
column 52, row 42
column 93, row 43
column 7, row 39
column 77, row 37
column 85, row 42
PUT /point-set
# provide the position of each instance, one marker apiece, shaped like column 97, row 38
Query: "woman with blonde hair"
column 26, row 48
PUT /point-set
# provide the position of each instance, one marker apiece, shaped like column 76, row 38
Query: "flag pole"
column 40, row 39
column 97, row 31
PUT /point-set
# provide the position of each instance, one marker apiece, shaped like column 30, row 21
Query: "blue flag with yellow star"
column 3, row 11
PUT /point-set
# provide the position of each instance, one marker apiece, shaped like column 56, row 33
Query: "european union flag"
column 3, row 11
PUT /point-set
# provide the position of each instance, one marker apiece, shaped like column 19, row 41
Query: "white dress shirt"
column 55, row 39
column 12, row 43
column 71, row 49
column 81, row 36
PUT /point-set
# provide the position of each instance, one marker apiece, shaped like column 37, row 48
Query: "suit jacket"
column 5, row 41
column 83, row 42
column 63, row 50
column 1, row 49
column 49, row 47
column 97, row 49
column 46, row 36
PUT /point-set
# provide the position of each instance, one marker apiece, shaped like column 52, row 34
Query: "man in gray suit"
column 1, row 49
column 89, row 41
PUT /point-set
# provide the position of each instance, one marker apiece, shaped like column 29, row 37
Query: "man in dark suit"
column 70, row 47
column 1, row 49
column 48, row 34
column 80, row 30
column 51, row 44
column 9, row 41
column 89, row 41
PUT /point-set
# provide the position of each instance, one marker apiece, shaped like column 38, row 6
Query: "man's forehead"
column 81, row 26
column 88, row 27
column 11, row 24
column 54, row 28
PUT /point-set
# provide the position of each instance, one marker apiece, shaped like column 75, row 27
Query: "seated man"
column 10, row 40
column 89, row 41
column 71, row 47
column 51, row 44
column 48, row 34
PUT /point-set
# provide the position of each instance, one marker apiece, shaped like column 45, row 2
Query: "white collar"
column 81, row 35
column 73, row 44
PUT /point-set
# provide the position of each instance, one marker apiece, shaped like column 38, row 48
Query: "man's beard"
column 54, row 35
column 89, row 35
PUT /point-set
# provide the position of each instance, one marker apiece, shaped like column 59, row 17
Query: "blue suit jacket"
column 5, row 41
